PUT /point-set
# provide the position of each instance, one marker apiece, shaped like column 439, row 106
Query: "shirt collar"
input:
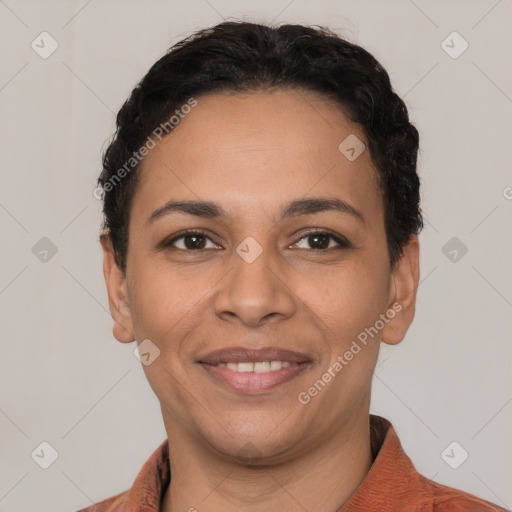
column 392, row 482
column 391, row 469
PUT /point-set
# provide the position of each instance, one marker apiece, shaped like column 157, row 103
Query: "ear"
column 117, row 293
column 402, row 301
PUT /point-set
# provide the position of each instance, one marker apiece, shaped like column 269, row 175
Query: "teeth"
column 259, row 367
column 262, row 367
column 245, row 367
column 275, row 365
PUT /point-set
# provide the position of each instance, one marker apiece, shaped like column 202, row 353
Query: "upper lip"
column 241, row 354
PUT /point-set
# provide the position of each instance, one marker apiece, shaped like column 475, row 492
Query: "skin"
column 252, row 153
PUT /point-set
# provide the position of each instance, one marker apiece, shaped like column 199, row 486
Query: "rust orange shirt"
column 391, row 485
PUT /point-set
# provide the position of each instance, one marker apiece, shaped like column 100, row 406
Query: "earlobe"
column 403, row 301
column 117, row 291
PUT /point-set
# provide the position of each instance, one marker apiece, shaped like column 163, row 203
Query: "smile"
column 253, row 378
column 250, row 370
column 258, row 367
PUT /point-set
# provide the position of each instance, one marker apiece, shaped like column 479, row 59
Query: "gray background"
column 64, row 378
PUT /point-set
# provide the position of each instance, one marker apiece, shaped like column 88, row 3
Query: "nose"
column 255, row 293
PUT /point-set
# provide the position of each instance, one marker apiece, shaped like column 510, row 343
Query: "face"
column 263, row 274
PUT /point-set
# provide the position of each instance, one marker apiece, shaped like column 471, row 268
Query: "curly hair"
column 243, row 56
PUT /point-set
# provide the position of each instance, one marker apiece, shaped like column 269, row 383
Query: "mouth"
column 253, row 370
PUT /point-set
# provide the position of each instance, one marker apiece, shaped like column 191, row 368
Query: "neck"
column 321, row 479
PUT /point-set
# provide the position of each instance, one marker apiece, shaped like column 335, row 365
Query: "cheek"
column 164, row 310
column 163, row 303
column 347, row 300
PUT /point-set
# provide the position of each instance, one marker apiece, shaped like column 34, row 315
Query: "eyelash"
column 342, row 242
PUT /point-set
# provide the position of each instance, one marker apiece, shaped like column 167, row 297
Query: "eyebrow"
column 211, row 210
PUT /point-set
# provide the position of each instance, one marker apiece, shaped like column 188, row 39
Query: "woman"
column 259, row 254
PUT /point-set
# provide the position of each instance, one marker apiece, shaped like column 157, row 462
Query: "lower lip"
column 252, row 382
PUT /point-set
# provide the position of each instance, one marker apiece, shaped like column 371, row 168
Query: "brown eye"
column 322, row 240
column 194, row 241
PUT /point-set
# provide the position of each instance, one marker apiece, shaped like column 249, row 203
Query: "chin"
column 256, row 443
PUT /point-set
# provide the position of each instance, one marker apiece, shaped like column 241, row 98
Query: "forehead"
column 249, row 150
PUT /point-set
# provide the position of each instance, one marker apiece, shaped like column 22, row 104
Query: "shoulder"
column 115, row 503
column 449, row 499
